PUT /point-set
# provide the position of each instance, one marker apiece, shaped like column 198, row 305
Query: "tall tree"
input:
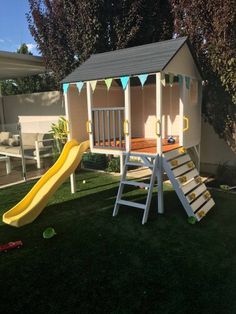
column 27, row 85
column 69, row 31
column 211, row 27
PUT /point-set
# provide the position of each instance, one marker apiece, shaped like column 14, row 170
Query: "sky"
column 14, row 27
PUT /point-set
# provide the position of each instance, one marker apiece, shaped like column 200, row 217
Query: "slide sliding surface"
column 28, row 209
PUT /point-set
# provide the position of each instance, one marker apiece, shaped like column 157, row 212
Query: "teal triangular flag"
column 124, row 81
column 180, row 80
column 143, row 78
column 80, row 86
column 187, row 82
column 65, row 87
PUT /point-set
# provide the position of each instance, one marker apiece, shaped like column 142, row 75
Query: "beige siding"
column 79, row 114
column 103, row 98
column 37, row 104
column 143, row 105
column 183, row 63
column 36, row 124
column 214, row 150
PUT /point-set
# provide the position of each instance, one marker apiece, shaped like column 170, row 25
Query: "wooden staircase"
column 184, row 176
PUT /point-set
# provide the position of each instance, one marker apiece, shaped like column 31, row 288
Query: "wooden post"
column 159, row 142
column 68, row 117
column 128, row 118
column 181, row 114
column 1, row 112
column 89, row 105
column 121, row 164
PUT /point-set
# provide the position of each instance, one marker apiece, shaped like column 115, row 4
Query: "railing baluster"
column 93, row 130
column 114, row 126
column 108, row 128
column 98, row 127
column 105, row 134
column 103, row 127
column 120, row 128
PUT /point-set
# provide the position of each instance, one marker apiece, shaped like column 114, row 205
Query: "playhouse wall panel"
column 137, row 112
column 183, row 63
column 78, row 113
column 145, row 104
column 102, row 98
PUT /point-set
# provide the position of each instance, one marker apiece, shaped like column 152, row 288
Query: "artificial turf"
column 100, row 264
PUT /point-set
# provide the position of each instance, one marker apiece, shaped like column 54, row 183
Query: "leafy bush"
column 114, row 164
column 226, row 174
column 94, row 161
column 59, row 132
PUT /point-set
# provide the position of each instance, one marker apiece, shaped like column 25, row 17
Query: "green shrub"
column 94, row 161
column 114, row 164
column 226, row 174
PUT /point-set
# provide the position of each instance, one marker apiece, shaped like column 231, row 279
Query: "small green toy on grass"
column 49, row 233
column 192, row 220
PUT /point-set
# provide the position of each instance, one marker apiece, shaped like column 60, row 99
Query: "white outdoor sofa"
column 35, row 145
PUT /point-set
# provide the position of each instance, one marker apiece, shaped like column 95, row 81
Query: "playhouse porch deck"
column 139, row 144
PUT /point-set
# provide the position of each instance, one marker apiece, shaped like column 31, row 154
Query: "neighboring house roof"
column 150, row 58
column 14, row 65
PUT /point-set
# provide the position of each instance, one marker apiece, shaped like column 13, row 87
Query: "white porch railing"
column 107, row 130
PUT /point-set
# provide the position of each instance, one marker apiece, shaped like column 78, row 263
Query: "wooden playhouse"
column 143, row 102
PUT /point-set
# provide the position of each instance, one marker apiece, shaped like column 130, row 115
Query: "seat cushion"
column 4, row 137
column 28, row 139
column 12, row 150
column 3, row 149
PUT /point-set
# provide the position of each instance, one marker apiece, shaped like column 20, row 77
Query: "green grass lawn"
column 100, row 264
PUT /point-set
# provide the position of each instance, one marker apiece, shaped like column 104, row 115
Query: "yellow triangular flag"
column 93, row 85
column 108, row 83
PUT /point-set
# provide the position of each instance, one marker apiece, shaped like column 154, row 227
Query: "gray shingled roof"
column 149, row 58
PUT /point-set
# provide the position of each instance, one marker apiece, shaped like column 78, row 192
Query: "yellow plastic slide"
column 34, row 202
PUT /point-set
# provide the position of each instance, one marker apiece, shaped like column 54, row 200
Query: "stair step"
column 200, row 201
column 179, row 161
column 132, row 204
column 205, row 209
column 139, row 164
column 135, row 183
column 174, row 153
column 187, row 176
column 192, row 184
column 183, row 169
column 195, row 193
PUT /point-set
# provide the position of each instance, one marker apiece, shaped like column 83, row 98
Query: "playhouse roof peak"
column 149, row 58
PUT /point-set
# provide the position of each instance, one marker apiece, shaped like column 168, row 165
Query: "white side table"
column 8, row 163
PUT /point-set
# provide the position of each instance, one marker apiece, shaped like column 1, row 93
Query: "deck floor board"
column 143, row 145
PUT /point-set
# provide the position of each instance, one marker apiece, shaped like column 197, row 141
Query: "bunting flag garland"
column 124, row 81
column 143, row 78
column 108, row 83
column 163, row 78
column 79, row 86
column 65, row 87
column 180, row 79
column 171, row 79
column 187, row 82
column 93, row 85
